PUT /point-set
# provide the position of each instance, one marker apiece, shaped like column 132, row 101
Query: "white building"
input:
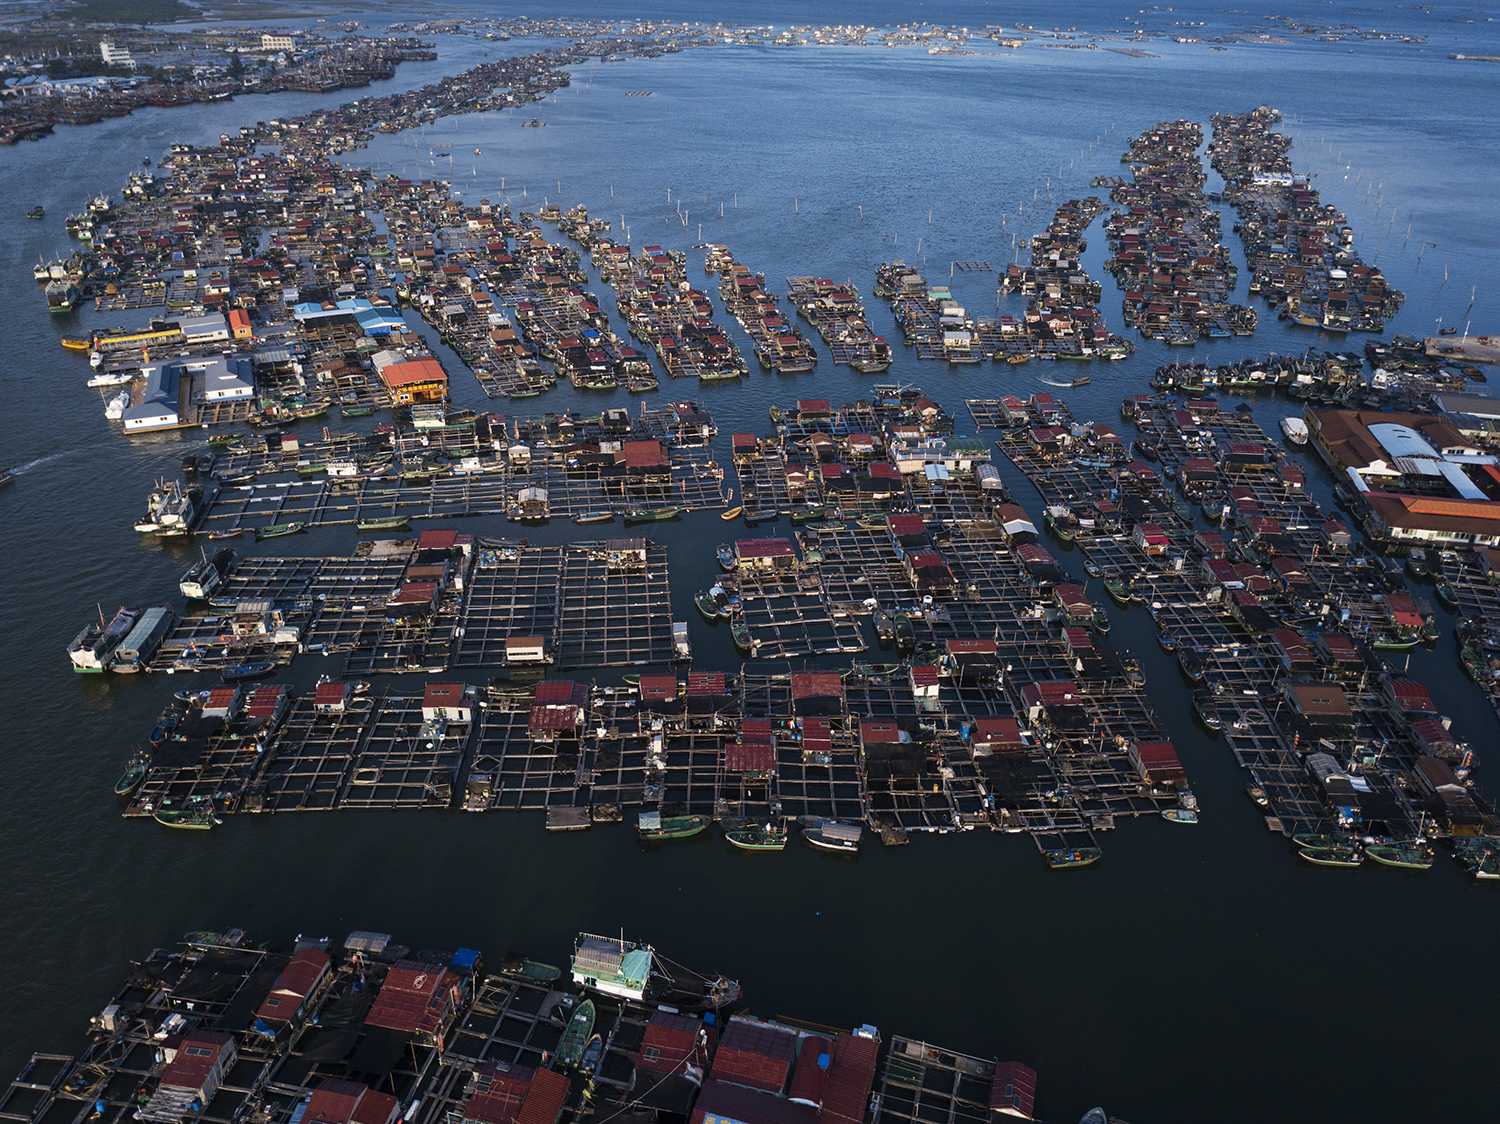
column 115, row 56
column 277, row 43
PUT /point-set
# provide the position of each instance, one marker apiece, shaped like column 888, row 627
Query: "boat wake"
column 22, row 469
column 1053, row 382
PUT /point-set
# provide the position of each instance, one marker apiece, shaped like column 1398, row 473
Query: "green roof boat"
column 654, row 825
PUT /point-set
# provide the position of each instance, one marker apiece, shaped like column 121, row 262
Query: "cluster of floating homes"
column 903, row 534
column 1279, row 619
column 323, row 65
column 1062, row 319
column 1300, row 250
column 371, row 1032
column 1166, row 254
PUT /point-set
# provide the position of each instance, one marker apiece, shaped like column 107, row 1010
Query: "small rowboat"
column 233, row 534
column 732, row 513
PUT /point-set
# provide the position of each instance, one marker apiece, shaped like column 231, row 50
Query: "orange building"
column 415, row 380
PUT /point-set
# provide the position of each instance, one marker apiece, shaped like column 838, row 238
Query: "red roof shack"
column 193, row 1075
column 1157, row 763
column 755, row 1054
column 515, row 1094
column 348, row 1102
column 1013, row 1091
column 299, row 980
column 416, row 998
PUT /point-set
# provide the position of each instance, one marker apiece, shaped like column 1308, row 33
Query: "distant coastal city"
column 558, row 567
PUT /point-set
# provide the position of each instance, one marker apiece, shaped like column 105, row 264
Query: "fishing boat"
column 518, row 966
column 906, row 638
column 1445, row 595
column 92, row 648
column 37, row 212
column 807, row 515
column 195, row 815
column 732, row 513
column 1295, row 430
column 739, row 632
column 77, row 343
column 1062, row 859
column 651, row 514
column 385, row 523
column 1332, row 856
column 276, row 530
column 135, row 772
column 653, row 826
column 595, row 517
column 831, row 835
column 1207, row 709
column 575, row 1039
column 1417, row 566
column 726, row 558
column 1120, row 592
column 1191, row 662
column 249, row 669
column 871, row 523
column 629, row 970
column 592, row 1053
column 1414, row 855
column 204, row 577
column 1475, row 663
column 6, row 477
column 1258, row 797
column 885, row 625
column 232, row 533
column 709, row 607
column 1308, row 840
column 1179, row 815
column 758, row 836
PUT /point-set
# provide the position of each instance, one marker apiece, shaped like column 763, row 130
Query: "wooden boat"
column 250, row 669
column 831, row 835
column 708, row 606
column 1207, row 709
column 1076, row 856
column 885, row 625
column 653, row 826
column 518, row 966
column 726, row 558
column 1446, row 597
column 595, row 517
column 233, row 533
column 135, row 772
column 1332, row 856
column 739, row 632
column 732, row 513
column 356, row 411
column 194, row 816
column 807, row 515
column 1407, row 856
column 1120, row 592
column 651, row 514
column 77, row 343
column 1258, row 797
column 576, row 1038
column 1179, row 815
column 592, row 1053
column 1307, row 840
column 386, row 523
column 758, row 836
column 276, row 530
column 1474, row 663
column 906, row 639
